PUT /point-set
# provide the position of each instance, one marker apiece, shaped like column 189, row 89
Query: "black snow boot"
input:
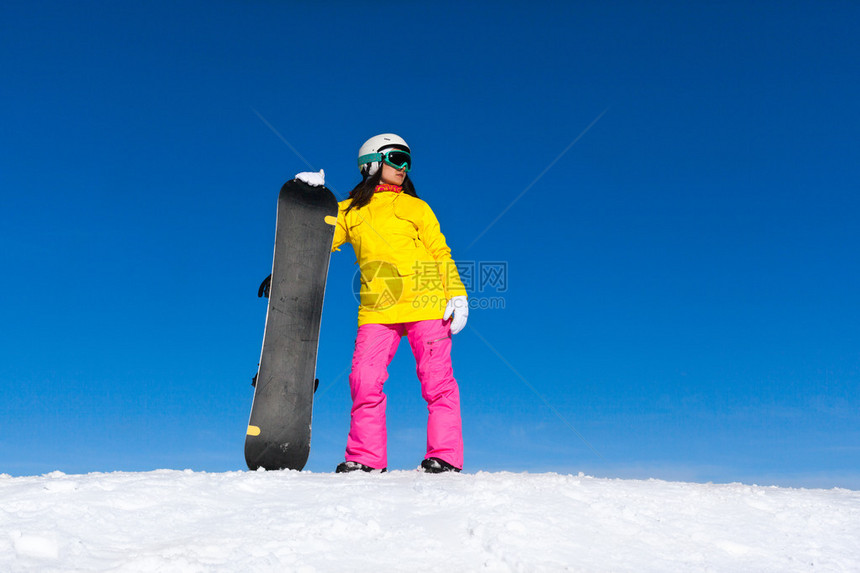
column 347, row 467
column 437, row 466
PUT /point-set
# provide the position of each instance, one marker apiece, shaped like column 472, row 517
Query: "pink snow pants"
column 375, row 346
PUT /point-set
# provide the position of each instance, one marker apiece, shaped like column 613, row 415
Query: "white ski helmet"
column 368, row 161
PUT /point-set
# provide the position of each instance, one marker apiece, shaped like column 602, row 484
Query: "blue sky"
column 680, row 241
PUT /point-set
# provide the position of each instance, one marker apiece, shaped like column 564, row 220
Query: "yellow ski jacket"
column 407, row 273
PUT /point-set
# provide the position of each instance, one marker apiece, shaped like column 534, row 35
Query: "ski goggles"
column 397, row 158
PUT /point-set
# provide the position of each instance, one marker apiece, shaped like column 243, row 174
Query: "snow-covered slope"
column 408, row 521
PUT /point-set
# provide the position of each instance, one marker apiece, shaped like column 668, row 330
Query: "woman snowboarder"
column 409, row 287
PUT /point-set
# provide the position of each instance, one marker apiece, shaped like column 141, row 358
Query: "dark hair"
column 363, row 192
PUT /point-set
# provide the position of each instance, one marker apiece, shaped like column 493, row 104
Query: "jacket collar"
column 383, row 187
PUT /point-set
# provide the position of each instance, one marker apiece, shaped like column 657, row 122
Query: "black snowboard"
column 279, row 431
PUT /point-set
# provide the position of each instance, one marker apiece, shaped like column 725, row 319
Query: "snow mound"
column 408, row 521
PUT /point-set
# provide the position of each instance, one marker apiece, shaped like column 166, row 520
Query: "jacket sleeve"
column 340, row 233
column 431, row 235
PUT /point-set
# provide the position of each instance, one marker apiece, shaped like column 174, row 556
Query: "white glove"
column 459, row 307
column 312, row 178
